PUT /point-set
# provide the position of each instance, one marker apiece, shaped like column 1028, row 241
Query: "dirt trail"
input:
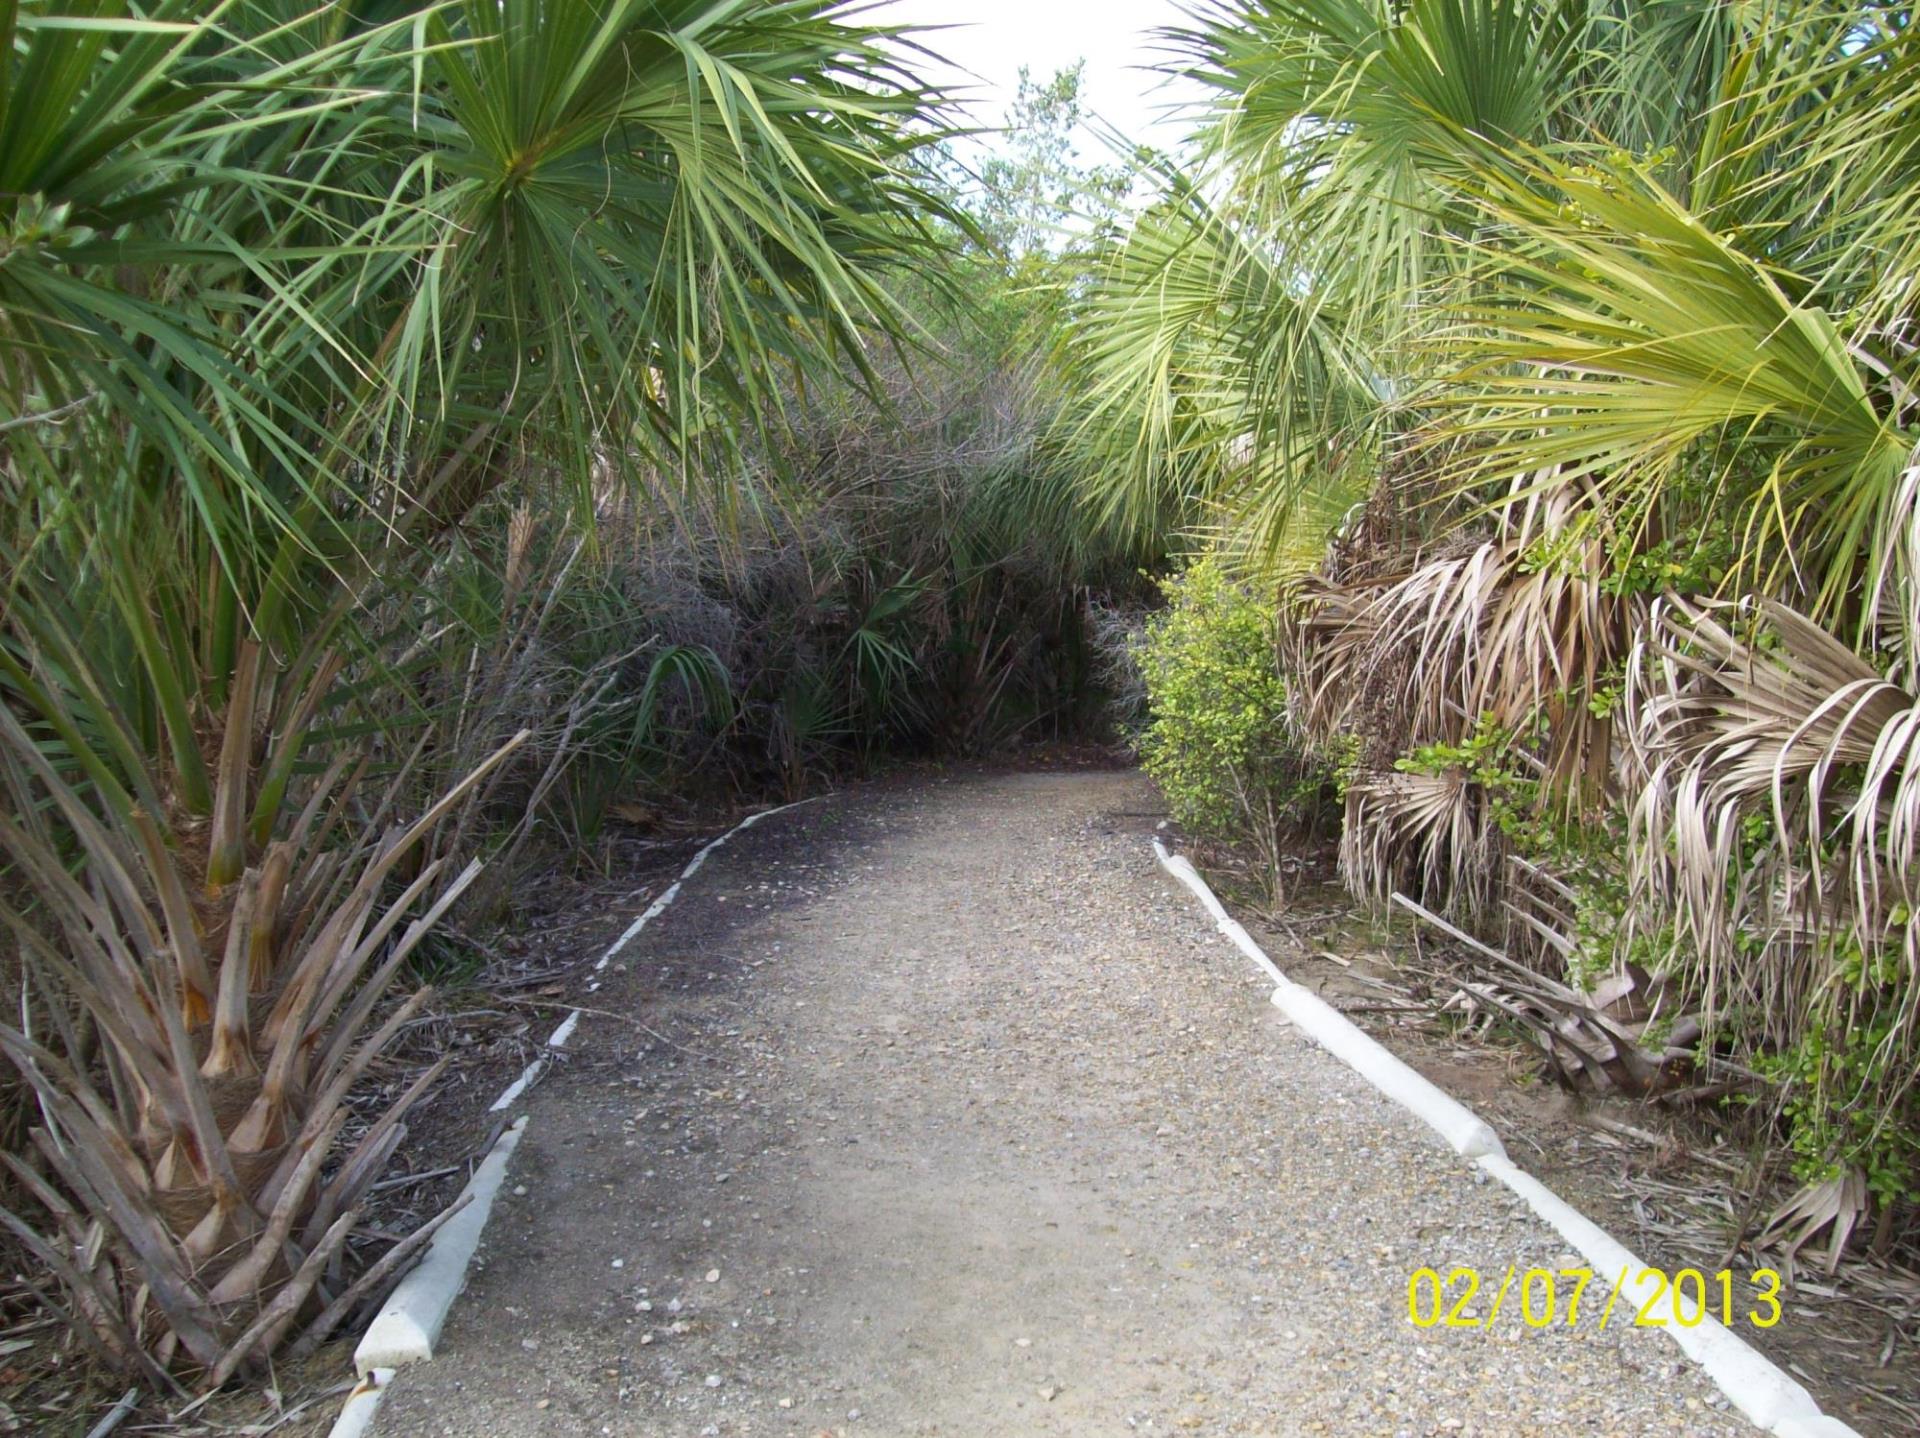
column 941, row 1110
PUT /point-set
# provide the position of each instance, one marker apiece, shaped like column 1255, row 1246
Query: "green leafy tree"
column 1033, row 189
column 1037, row 186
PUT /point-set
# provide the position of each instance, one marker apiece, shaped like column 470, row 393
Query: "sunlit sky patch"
column 989, row 40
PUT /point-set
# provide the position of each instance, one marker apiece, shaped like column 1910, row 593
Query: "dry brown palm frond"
column 1429, row 833
column 1833, row 1205
column 1893, row 605
column 1341, row 678
column 1772, row 853
column 1620, row 1035
column 1513, row 633
column 1516, row 630
column 1750, row 709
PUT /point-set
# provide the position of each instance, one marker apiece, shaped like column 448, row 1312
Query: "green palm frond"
column 1210, row 378
column 1619, row 334
column 1346, row 126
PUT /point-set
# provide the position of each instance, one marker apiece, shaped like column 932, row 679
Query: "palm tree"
column 1623, row 299
column 286, row 289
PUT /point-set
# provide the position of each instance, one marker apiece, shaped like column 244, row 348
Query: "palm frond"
column 1215, row 389
column 1622, row 334
column 1774, row 847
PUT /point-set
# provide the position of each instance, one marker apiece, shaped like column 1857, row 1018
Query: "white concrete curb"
column 659, row 905
column 356, row 1418
column 409, row 1323
column 404, row 1330
column 1764, row 1393
column 1465, row 1132
column 530, row 1075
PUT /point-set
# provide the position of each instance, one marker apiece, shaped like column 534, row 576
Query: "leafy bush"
column 1218, row 741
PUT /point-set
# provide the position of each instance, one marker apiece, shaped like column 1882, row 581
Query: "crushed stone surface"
column 940, row 1109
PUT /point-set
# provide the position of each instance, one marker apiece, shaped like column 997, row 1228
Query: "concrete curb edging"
column 1766, row 1394
column 409, row 1322
column 356, row 1417
column 659, row 905
column 1758, row 1388
column 404, row 1329
column 1465, row 1132
column 530, row 1075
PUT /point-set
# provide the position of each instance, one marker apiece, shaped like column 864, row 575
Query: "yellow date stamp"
column 1559, row 1297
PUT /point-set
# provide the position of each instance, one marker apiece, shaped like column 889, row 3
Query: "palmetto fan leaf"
column 474, row 237
column 1511, row 630
column 1427, row 833
column 1347, row 125
column 129, row 148
column 1814, row 151
column 1774, row 841
column 645, row 206
column 1744, row 709
column 1215, row 391
column 1620, row 333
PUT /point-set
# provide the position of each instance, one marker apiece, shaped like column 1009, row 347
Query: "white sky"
column 992, row 39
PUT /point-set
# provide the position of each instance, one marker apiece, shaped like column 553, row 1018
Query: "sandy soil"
column 941, row 1110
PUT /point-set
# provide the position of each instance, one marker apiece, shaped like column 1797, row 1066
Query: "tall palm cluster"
column 1560, row 359
column 290, row 290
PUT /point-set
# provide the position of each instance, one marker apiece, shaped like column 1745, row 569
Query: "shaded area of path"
column 942, row 1110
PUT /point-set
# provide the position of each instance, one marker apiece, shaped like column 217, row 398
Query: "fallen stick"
column 115, row 1415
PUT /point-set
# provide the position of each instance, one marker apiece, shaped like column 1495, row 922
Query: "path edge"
column 1764, row 1393
column 408, row 1324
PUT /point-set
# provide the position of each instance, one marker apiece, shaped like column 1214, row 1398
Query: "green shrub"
column 1217, row 740
column 1846, row 1088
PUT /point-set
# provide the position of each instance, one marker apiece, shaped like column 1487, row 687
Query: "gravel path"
column 941, row 1110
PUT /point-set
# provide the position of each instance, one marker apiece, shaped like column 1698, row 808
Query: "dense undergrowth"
column 1547, row 372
